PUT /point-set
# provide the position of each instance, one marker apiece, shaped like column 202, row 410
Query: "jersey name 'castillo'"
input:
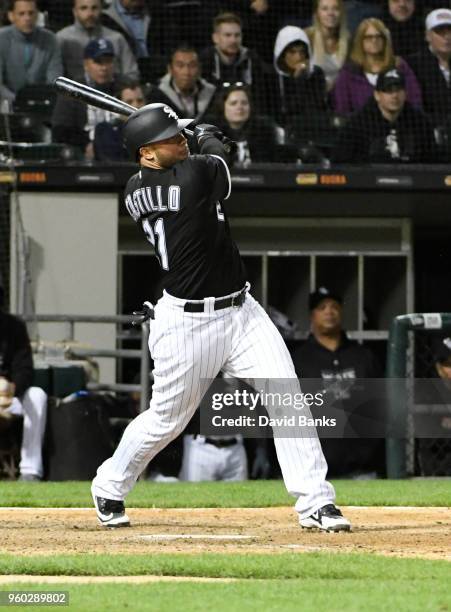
column 181, row 215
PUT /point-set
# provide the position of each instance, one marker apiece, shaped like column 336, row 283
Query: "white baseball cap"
column 437, row 18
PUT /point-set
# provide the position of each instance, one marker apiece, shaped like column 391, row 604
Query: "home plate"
column 195, row 536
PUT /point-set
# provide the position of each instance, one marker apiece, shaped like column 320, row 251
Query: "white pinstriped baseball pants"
column 190, row 349
column 33, row 408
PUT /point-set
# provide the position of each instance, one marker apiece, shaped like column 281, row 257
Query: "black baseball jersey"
column 180, row 211
column 349, row 361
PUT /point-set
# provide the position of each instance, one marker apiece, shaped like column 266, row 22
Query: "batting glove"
column 143, row 315
column 205, row 130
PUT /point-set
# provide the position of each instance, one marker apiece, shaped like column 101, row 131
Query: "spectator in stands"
column 371, row 54
column 432, row 66
column 74, row 38
column 336, row 362
column 108, row 142
column 255, row 135
column 403, row 19
column 18, row 397
column 387, row 128
column 74, row 122
column 301, row 84
column 29, row 55
column 228, row 61
column 133, row 20
column 261, row 20
column 182, row 87
column 329, row 37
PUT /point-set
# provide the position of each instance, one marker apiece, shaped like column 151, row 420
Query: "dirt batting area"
column 394, row 531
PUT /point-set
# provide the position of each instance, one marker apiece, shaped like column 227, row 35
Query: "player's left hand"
column 204, row 130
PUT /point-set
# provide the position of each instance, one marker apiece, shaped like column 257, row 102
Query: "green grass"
column 327, row 566
column 311, row 594
column 247, row 494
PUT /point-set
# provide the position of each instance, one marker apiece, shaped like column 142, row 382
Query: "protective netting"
column 291, row 81
column 427, row 456
column 4, row 245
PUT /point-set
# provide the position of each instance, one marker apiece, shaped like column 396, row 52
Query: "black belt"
column 221, row 443
column 219, row 304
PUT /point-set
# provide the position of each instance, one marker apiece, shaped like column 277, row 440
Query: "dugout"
column 378, row 235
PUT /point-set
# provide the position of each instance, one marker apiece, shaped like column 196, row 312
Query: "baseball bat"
column 94, row 97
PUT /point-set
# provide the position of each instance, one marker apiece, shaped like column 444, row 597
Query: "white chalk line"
column 194, row 536
column 27, row 578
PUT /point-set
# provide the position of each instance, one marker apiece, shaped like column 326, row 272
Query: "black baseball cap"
column 97, row 48
column 443, row 350
column 389, row 80
column 321, row 294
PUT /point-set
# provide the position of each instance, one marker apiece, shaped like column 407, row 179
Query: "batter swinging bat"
column 94, row 97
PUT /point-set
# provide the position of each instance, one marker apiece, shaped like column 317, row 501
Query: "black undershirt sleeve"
column 213, row 146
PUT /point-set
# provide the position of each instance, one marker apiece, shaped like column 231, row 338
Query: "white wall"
column 73, row 248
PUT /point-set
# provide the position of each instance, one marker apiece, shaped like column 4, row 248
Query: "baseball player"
column 17, row 395
column 206, row 321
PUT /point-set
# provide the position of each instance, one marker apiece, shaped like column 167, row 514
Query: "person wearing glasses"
column 255, row 135
column 371, row 54
column 432, row 66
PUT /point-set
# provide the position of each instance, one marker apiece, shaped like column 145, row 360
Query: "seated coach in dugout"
column 387, row 129
column 336, row 362
column 29, row 54
column 74, row 122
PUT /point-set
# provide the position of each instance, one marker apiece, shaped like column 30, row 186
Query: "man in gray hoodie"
column 182, row 87
column 74, row 38
column 29, row 55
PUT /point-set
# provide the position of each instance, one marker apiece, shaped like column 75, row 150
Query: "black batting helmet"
column 151, row 123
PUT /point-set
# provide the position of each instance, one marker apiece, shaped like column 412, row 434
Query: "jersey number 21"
column 157, row 238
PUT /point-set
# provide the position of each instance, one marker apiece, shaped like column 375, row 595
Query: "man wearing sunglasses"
column 206, row 322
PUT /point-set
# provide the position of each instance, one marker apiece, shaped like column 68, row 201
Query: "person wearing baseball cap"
column 387, row 129
column 432, row 65
column 329, row 355
column 74, row 122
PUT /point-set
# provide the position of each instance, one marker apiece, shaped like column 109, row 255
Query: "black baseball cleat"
column 110, row 512
column 327, row 518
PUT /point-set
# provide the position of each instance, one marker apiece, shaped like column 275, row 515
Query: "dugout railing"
column 410, row 354
column 68, row 336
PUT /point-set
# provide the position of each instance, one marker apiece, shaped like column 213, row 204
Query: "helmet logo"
column 168, row 110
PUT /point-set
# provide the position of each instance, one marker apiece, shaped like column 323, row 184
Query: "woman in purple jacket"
column 371, row 54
